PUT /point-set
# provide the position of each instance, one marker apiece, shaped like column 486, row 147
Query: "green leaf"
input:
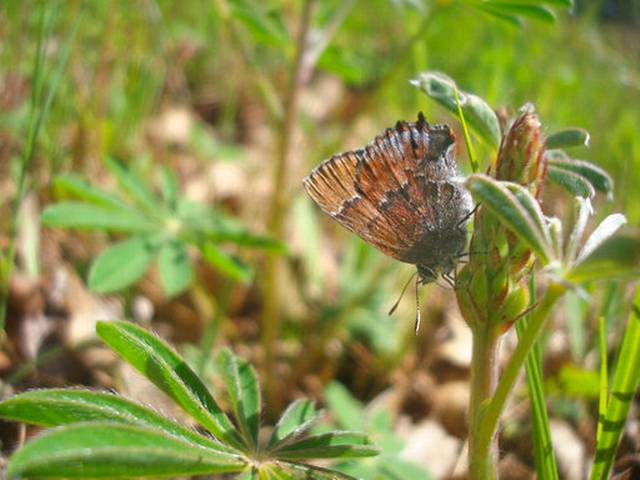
column 573, row 182
column 101, row 449
column 607, row 228
column 175, row 268
column 529, row 203
column 618, row 256
column 313, row 472
column 536, row 12
column 169, row 372
column 599, row 179
column 266, row 27
column 626, row 380
column 584, row 210
column 55, row 407
column 77, row 186
column 477, row 112
column 329, row 445
column 295, row 420
column 228, row 229
column 570, row 137
column 556, row 3
column 545, row 460
column 511, row 19
column 348, row 411
column 226, row 263
column 133, row 185
column 244, row 393
column 121, row 264
column 93, row 217
column 495, row 197
column 222, row 228
column 169, row 187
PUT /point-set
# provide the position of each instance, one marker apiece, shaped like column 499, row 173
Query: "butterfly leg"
column 468, row 216
column 450, row 279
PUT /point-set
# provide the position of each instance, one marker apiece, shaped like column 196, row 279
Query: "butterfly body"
column 402, row 194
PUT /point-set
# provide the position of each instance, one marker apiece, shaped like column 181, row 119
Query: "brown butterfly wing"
column 390, row 192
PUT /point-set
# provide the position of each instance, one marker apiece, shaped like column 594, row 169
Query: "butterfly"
column 402, row 193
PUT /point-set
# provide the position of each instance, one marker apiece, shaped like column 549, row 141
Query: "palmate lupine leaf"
column 574, row 183
column 102, row 435
column 56, row 407
column 169, row 372
column 516, row 212
column 133, row 185
column 112, row 450
column 231, row 266
column 121, row 264
column 617, row 256
column 569, row 137
column 477, row 113
column 596, row 176
column 78, row 187
column 607, row 228
column 169, row 187
column 243, row 390
column 329, row 445
column 175, row 268
column 311, row 472
column 86, row 216
column 514, row 12
column 296, row 419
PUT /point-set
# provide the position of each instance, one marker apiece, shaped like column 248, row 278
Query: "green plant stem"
column 486, row 418
column 287, row 131
column 484, row 363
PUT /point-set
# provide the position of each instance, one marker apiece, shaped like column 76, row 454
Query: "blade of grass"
column 545, row 460
column 625, row 383
column 467, row 137
column 37, row 114
column 604, row 374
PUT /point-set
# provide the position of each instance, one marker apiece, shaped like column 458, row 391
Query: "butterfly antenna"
column 404, row 289
column 417, row 307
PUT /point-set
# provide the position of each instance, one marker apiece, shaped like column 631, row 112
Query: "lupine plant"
column 514, row 248
column 349, row 413
column 157, row 227
column 100, row 434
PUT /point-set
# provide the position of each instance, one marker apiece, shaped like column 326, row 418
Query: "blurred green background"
column 205, row 89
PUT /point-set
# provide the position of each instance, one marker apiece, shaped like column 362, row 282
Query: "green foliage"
column 349, row 413
column 127, row 60
column 545, row 460
column 160, row 227
column 625, row 383
column 493, row 293
column 103, row 435
column 43, row 90
column 475, row 110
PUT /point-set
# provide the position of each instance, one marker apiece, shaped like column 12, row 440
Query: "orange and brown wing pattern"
column 388, row 192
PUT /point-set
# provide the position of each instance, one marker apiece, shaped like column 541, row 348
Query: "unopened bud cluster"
column 493, row 284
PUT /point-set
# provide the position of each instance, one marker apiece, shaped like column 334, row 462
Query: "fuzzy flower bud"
column 521, row 158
